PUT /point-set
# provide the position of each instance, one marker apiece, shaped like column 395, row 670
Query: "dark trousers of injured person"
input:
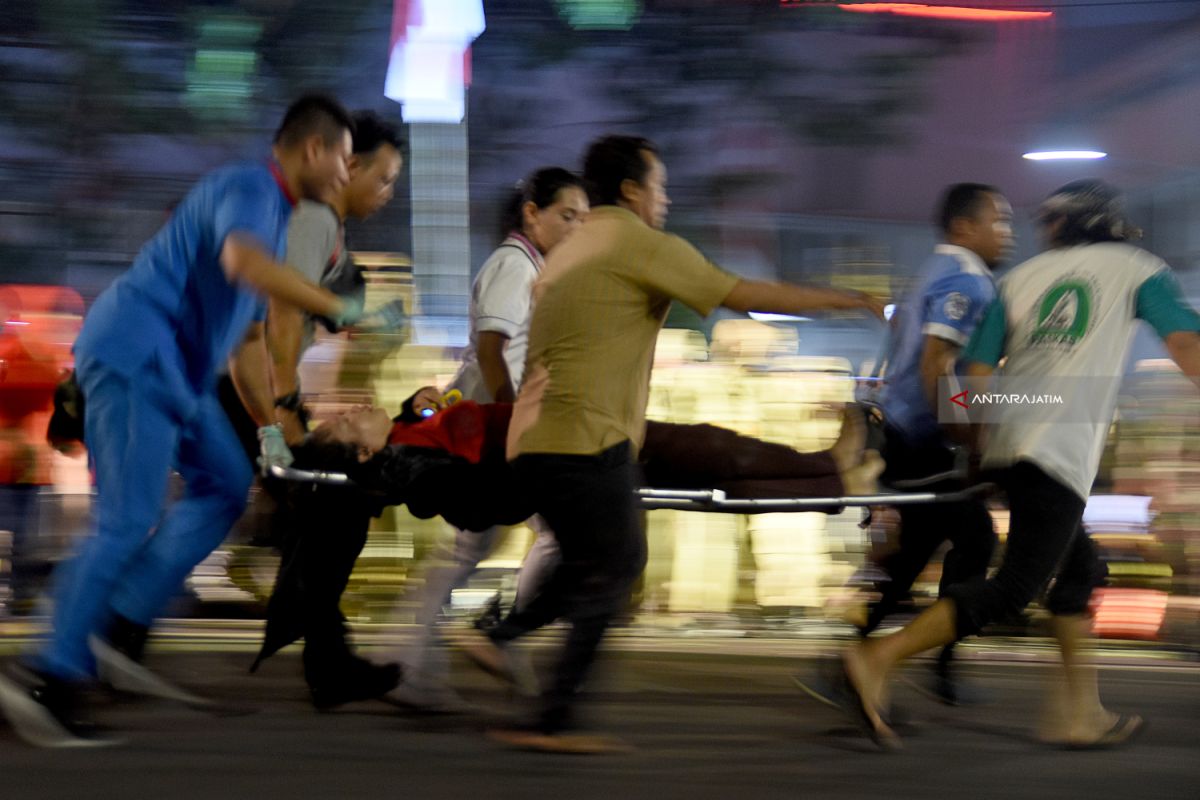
column 1045, row 540
column 709, row 457
column 320, row 532
column 327, row 532
column 589, row 503
column 923, row 529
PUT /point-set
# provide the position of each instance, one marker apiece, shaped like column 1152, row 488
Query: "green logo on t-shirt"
column 1064, row 313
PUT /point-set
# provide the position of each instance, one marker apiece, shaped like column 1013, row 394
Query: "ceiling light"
column 1064, row 155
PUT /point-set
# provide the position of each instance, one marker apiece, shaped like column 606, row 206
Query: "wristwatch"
column 289, row 402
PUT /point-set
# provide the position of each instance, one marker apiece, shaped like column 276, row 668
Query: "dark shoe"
column 357, row 680
column 127, row 637
column 491, row 615
column 945, row 685
column 46, row 711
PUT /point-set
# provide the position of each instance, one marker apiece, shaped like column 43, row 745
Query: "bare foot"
column 1098, row 729
column 868, row 684
column 864, row 478
column 847, row 451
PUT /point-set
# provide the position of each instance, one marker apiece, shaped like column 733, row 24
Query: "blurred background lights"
column 600, row 14
column 963, row 13
column 220, row 79
column 429, row 68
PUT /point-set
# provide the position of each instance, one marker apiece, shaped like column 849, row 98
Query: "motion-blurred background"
column 807, row 141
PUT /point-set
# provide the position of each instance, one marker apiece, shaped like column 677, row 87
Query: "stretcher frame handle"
column 712, row 500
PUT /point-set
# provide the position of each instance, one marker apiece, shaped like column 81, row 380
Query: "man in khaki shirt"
column 580, row 416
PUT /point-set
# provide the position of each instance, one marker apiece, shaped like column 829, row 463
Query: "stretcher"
column 716, row 501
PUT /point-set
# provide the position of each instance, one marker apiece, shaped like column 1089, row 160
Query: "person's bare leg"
column 869, row 662
column 863, row 478
column 847, row 451
column 1074, row 714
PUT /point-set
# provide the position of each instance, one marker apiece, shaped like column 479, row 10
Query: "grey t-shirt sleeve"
column 311, row 238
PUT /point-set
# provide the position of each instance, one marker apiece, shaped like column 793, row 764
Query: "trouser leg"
column 217, row 480
column 539, row 564
column 1043, row 528
column 588, row 502
column 450, row 567
column 131, row 438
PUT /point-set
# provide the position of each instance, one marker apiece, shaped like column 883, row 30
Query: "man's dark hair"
column 372, row 132
column 612, row 160
column 314, row 114
column 1090, row 211
column 962, row 200
column 541, row 188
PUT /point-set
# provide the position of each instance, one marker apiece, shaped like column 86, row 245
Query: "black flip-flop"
column 1127, row 728
column 857, row 709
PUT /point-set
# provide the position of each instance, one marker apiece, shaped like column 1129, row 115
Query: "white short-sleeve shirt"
column 1068, row 316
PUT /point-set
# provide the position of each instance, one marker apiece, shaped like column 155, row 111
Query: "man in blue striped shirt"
column 932, row 324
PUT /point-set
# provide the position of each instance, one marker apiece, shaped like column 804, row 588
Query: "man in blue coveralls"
column 147, row 361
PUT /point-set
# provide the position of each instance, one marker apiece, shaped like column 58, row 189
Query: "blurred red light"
column 963, row 13
column 1128, row 613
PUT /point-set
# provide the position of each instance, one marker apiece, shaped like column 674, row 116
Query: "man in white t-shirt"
column 1062, row 323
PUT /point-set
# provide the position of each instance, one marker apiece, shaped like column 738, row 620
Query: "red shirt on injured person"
column 682, row 456
column 465, row 429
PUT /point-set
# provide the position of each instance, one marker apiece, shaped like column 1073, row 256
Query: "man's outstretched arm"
column 1184, row 348
column 777, row 297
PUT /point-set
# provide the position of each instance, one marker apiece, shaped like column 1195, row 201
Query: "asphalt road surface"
column 703, row 725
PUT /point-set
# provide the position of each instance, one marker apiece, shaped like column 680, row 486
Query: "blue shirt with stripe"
column 952, row 291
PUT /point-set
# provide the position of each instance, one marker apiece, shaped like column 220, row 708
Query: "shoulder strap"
column 519, row 242
column 337, row 248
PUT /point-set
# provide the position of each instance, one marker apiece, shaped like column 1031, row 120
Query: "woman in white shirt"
column 543, row 209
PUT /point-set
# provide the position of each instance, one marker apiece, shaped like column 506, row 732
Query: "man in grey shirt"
column 316, row 246
column 304, row 602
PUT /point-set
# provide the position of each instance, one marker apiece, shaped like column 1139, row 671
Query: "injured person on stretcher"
column 452, row 464
column 462, row 446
